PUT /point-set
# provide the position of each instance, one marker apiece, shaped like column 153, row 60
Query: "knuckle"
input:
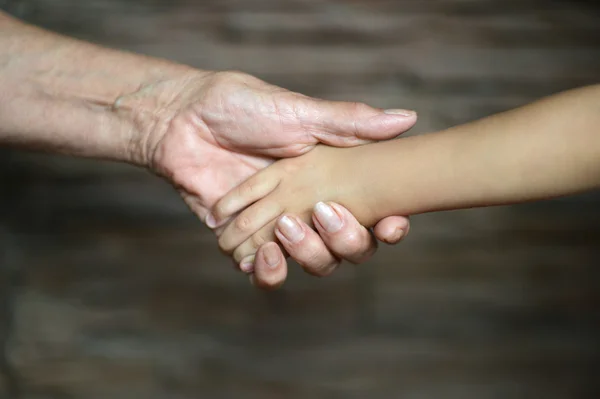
column 364, row 256
column 248, row 189
column 237, row 75
column 257, row 240
column 331, row 269
column 315, row 262
column 353, row 244
column 220, row 210
column 241, row 252
column 324, row 270
column 353, row 238
column 289, row 166
column 359, row 107
column 242, row 223
column 228, row 77
column 311, row 254
column 225, row 244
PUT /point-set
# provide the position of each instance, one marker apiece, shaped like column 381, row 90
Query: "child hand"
column 294, row 186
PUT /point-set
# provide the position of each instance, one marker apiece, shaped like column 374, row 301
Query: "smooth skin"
column 544, row 150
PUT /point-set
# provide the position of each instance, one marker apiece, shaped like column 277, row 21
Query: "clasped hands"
column 213, row 131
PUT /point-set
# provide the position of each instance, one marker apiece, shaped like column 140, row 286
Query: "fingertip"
column 389, row 124
column 392, row 230
column 395, row 237
column 247, row 264
column 270, row 267
column 328, row 218
column 341, row 211
column 332, row 220
column 289, row 230
column 220, row 214
column 211, row 221
column 233, row 202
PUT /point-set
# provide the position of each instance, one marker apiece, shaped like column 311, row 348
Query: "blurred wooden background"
column 110, row 289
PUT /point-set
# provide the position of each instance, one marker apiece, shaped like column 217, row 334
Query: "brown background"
column 110, row 289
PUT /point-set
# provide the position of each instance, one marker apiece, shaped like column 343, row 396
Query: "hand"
column 208, row 132
column 205, row 132
column 339, row 237
column 292, row 186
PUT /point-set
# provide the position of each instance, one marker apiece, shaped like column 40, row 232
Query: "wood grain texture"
column 126, row 296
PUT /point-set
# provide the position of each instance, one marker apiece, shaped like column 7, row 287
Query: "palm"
column 225, row 127
column 202, row 169
column 204, row 152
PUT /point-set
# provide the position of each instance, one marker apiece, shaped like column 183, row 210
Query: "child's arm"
column 547, row 149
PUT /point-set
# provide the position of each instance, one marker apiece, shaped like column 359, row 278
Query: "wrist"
column 65, row 96
column 150, row 110
column 418, row 174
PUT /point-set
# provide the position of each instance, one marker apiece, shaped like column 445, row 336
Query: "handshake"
column 205, row 132
column 231, row 127
column 522, row 155
column 277, row 173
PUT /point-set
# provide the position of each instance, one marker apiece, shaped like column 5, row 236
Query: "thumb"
column 346, row 124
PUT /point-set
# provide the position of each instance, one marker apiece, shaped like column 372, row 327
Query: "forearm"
column 58, row 94
column 548, row 149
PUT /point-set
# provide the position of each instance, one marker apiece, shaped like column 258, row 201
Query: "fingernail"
column 328, row 218
column 210, row 221
column 401, row 112
column 290, row 229
column 247, row 264
column 271, row 253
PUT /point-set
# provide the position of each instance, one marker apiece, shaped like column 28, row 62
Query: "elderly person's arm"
column 203, row 131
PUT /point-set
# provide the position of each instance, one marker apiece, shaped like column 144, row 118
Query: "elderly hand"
column 208, row 132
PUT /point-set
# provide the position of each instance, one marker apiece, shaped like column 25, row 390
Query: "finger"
column 270, row 269
column 195, row 205
column 344, row 124
column 254, row 242
column 219, row 230
column 306, row 247
column 393, row 229
column 247, row 223
column 247, row 263
column 240, row 197
column 342, row 233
